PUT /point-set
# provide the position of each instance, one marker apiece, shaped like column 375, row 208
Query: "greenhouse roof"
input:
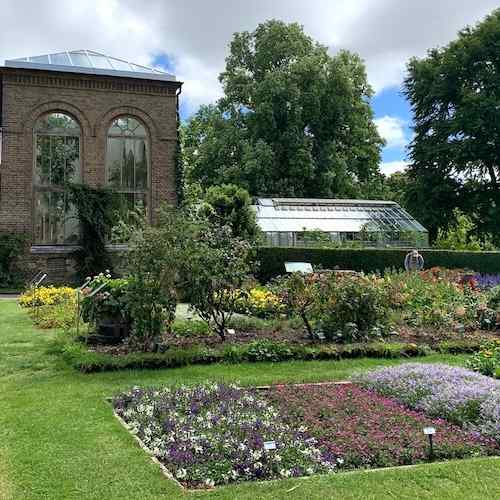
column 332, row 215
column 88, row 62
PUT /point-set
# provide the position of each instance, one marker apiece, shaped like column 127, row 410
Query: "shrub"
column 155, row 257
column 487, row 359
column 217, row 267
column 231, row 205
column 354, row 308
column 431, row 299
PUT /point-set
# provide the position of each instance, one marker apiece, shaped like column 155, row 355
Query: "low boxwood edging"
column 272, row 259
column 80, row 358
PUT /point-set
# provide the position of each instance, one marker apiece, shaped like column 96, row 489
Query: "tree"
column 293, row 121
column 215, row 272
column 455, row 96
column 460, row 235
column 230, row 205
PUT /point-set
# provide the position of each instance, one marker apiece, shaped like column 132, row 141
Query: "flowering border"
column 169, row 475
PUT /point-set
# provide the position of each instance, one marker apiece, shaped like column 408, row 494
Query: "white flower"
column 181, row 473
column 340, row 461
column 210, row 483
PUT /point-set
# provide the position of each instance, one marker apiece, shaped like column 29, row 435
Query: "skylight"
column 89, row 62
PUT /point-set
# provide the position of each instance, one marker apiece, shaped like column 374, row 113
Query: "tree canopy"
column 293, row 121
column 455, row 154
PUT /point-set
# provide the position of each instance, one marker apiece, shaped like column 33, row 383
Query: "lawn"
column 58, row 438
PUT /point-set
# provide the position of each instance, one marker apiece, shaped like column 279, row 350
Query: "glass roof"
column 331, row 215
column 89, row 62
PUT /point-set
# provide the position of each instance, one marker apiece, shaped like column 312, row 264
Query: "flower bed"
column 368, row 430
column 215, row 434
column 457, row 394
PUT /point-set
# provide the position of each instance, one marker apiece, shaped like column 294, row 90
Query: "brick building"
column 80, row 116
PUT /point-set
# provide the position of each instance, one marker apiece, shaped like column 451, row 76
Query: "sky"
column 190, row 38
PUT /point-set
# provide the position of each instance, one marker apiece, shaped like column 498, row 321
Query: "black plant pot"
column 110, row 331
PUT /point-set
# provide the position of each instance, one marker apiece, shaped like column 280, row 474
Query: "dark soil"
column 428, row 336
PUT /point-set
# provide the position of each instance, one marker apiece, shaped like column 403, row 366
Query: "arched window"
column 57, row 162
column 127, row 163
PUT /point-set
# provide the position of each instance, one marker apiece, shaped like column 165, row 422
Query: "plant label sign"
column 269, row 445
column 301, row 267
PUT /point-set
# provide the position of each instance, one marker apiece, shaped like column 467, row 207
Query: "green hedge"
column 77, row 355
column 272, row 259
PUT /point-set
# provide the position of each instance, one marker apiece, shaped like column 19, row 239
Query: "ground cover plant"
column 461, row 396
column 215, row 433
column 369, row 430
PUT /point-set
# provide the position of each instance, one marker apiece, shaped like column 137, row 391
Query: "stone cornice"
column 52, row 79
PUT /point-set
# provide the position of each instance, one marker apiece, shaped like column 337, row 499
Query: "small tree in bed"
column 216, row 270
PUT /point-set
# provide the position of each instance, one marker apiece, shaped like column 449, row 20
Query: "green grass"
column 59, row 440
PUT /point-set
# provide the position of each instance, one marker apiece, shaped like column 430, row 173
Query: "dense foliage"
column 455, row 155
column 293, row 121
column 353, row 309
column 11, row 246
column 460, row 235
column 156, row 255
column 95, row 216
column 487, row 359
column 230, row 205
column 218, row 266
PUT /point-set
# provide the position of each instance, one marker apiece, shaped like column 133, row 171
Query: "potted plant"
column 104, row 304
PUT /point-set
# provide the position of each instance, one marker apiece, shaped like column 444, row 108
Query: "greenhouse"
column 332, row 222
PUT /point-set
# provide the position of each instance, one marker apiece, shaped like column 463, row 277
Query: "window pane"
column 42, row 170
column 72, row 156
column 114, row 160
column 80, row 59
column 129, row 165
column 55, row 221
column 100, row 61
column 61, row 59
column 58, row 122
column 141, row 165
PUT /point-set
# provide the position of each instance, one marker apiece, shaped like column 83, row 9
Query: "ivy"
column 94, row 211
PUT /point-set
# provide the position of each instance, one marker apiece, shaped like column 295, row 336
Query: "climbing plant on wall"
column 94, row 208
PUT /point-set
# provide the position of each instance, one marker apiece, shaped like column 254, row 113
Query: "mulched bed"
column 216, row 434
column 295, row 337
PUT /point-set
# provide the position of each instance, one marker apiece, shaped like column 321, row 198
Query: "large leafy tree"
column 455, row 95
column 293, row 121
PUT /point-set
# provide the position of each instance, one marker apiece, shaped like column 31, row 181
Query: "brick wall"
column 94, row 101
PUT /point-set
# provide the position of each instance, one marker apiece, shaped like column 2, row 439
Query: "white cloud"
column 392, row 129
column 390, row 167
column 196, row 33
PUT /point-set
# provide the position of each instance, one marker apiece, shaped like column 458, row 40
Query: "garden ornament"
column 414, row 261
